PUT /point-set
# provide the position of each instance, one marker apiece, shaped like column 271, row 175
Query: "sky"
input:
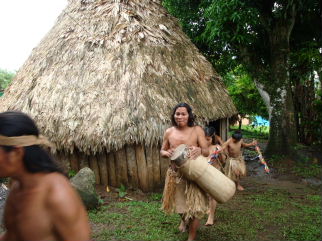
column 23, row 23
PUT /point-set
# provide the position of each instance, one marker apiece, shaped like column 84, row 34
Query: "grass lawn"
column 266, row 210
column 279, row 208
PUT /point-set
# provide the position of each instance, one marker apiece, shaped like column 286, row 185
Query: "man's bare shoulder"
column 169, row 130
column 199, row 129
column 58, row 183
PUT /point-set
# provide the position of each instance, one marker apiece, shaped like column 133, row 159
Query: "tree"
column 257, row 35
column 5, row 79
column 244, row 94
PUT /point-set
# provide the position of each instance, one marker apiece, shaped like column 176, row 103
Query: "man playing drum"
column 180, row 195
column 42, row 205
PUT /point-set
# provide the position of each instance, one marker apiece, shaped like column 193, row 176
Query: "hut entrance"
column 221, row 127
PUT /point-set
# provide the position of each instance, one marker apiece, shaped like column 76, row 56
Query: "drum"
column 208, row 178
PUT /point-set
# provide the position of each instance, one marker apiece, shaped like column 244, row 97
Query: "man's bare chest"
column 27, row 216
column 175, row 139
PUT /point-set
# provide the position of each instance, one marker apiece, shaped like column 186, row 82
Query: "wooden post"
column 83, row 161
column 164, row 165
column 74, row 164
column 111, row 169
column 142, row 168
column 132, row 168
column 63, row 161
column 121, row 167
column 156, row 167
column 94, row 166
column 149, row 164
column 101, row 159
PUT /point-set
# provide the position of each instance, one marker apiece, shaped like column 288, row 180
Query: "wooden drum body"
column 208, row 178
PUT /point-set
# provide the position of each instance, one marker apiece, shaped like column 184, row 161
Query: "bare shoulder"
column 59, row 189
column 199, row 129
column 169, row 131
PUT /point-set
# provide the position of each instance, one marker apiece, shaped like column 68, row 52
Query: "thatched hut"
column 102, row 83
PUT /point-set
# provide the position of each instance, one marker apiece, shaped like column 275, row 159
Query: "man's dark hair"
column 36, row 159
column 237, row 135
column 191, row 118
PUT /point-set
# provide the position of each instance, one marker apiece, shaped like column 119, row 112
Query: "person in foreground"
column 41, row 205
column 180, row 195
column 235, row 167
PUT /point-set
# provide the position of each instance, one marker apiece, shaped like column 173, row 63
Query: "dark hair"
column 237, row 135
column 209, row 131
column 191, row 118
column 36, row 159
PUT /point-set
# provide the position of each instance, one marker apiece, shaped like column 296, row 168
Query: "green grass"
column 251, row 132
column 263, row 214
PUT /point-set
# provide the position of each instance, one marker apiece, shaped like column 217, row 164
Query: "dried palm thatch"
column 109, row 72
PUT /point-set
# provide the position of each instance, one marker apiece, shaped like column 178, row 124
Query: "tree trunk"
column 282, row 126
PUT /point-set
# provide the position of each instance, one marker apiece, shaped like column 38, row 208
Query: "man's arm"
column 225, row 145
column 202, row 141
column 67, row 212
column 165, row 147
column 219, row 140
column 254, row 143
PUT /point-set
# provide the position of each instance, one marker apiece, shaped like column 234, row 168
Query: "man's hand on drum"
column 168, row 153
column 194, row 152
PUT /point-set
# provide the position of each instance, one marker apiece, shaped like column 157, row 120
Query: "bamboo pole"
column 111, row 170
column 142, row 168
column 132, row 167
column 101, row 158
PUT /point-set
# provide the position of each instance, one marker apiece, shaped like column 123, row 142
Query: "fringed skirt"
column 183, row 197
column 235, row 168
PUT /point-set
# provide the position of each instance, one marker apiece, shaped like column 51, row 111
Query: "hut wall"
column 224, row 127
column 134, row 166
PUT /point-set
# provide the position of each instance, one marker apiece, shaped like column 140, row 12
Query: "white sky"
column 23, row 23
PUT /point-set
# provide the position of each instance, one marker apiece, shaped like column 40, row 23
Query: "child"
column 211, row 138
column 235, row 166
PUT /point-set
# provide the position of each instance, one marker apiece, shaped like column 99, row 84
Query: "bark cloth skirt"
column 235, row 168
column 183, row 197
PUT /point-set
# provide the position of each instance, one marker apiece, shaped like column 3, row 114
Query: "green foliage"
column 307, row 170
column 252, row 132
column 71, row 173
column 122, row 191
column 244, row 93
column 156, row 196
column 5, row 79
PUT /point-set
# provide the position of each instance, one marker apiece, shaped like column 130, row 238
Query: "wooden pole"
column 149, row 164
column 121, row 167
column 164, row 165
column 156, row 167
column 111, row 169
column 142, row 168
column 83, row 161
column 102, row 161
column 74, row 164
column 94, row 166
column 132, row 167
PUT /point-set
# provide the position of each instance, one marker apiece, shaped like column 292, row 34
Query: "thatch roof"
column 109, row 72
